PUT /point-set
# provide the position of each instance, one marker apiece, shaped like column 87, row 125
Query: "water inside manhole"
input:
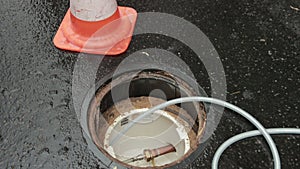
column 160, row 129
column 162, row 139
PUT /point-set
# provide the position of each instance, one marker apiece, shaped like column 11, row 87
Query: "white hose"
column 261, row 130
column 246, row 135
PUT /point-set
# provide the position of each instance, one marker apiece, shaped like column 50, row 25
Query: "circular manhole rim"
column 105, row 88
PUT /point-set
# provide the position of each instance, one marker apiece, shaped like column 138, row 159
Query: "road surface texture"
column 258, row 42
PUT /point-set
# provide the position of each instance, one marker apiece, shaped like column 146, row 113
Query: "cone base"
column 112, row 39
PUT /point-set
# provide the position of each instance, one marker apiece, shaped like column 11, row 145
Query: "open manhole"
column 164, row 139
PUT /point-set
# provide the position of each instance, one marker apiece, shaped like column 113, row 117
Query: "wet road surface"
column 258, row 43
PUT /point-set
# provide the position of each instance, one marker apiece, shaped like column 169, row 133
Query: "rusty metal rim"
column 96, row 101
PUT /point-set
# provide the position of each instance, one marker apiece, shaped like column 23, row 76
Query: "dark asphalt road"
column 258, row 42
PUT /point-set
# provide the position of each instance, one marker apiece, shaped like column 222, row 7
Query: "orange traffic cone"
column 96, row 27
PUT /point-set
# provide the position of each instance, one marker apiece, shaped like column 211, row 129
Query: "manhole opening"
column 163, row 139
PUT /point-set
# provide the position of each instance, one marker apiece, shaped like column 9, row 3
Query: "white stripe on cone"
column 93, row 10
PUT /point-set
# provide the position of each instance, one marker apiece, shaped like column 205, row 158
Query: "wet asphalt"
column 258, row 42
